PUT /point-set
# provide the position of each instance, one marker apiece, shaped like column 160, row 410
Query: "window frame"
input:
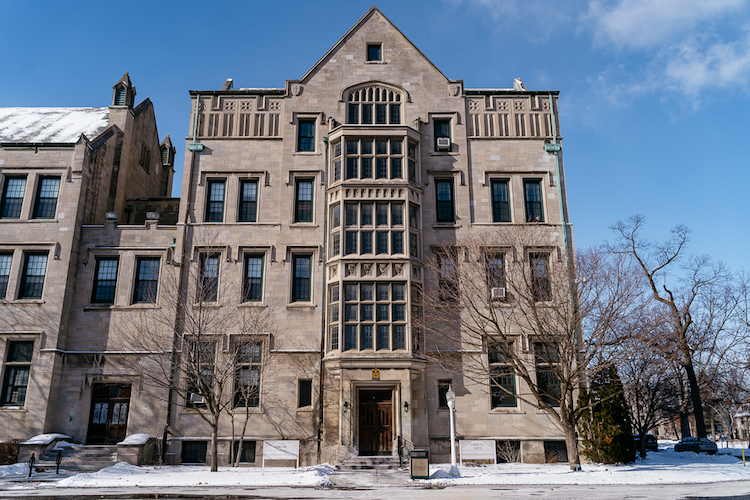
column 448, row 280
column 40, row 210
column 534, row 209
column 306, row 136
column 95, row 286
column 442, row 386
column 11, row 368
column 443, row 206
column 369, row 53
column 242, row 202
column 247, row 287
column 306, row 384
column 298, row 279
column 210, row 214
column 501, row 210
column 139, row 260
column 541, row 286
column 23, row 291
column 545, row 366
column 252, row 362
column 4, row 203
column 298, row 219
column 501, row 367
column 208, row 291
column 6, row 271
column 437, row 124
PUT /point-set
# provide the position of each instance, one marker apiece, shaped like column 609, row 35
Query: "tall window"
column 32, row 280
column 540, row 283
column 374, row 158
column 448, row 278
column 376, row 105
column 105, row 279
column 374, row 316
column 215, row 204
column 13, row 197
column 303, row 207
column 442, row 130
column 247, row 376
column 500, row 201
column 302, row 270
column 304, row 398
column 443, row 386
column 145, row 160
column 532, row 190
column 547, row 360
column 306, row 135
column 336, row 174
column 208, row 283
column 200, row 359
column 46, row 198
column 334, row 315
column 253, row 288
column 17, row 368
column 248, row 201
column 502, row 380
column 146, row 280
column 444, row 197
column 495, row 269
column 5, row 261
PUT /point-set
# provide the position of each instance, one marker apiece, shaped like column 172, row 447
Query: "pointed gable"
column 398, row 55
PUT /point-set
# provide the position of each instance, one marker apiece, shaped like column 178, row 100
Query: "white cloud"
column 642, row 24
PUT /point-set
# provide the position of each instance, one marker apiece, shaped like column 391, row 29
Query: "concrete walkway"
column 372, row 478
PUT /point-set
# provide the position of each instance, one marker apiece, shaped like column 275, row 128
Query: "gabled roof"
column 353, row 30
column 52, row 125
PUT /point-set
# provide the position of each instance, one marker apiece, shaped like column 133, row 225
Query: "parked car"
column 697, row 445
column 651, row 444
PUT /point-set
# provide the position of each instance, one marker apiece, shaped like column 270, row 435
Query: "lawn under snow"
column 662, row 467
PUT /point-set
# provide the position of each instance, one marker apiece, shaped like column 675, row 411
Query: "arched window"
column 374, row 104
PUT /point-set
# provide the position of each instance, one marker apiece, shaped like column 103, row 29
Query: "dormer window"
column 376, row 104
column 374, row 52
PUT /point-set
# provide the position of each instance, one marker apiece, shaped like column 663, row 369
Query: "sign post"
column 280, row 450
column 478, row 449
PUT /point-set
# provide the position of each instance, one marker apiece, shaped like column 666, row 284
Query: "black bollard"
column 58, row 460
column 31, row 464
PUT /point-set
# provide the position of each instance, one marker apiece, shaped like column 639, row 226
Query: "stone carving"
column 366, row 269
column 474, row 106
column 296, row 89
column 274, row 105
column 229, row 105
column 202, row 105
column 502, row 106
column 415, row 272
column 351, row 269
column 545, row 104
column 519, row 105
column 382, row 269
column 398, row 269
column 246, row 105
column 454, row 89
column 333, row 271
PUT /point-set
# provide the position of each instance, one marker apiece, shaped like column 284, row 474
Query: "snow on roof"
column 45, row 438
column 55, row 125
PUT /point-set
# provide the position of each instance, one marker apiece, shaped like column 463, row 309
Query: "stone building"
column 315, row 207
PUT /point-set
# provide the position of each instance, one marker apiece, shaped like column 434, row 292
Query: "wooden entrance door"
column 109, row 413
column 375, row 422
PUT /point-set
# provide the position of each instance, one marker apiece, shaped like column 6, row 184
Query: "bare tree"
column 200, row 346
column 507, row 303
column 698, row 302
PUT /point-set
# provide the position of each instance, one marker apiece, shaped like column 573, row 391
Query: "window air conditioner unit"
column 196, row 398
column 497, row 293
column 443, row 143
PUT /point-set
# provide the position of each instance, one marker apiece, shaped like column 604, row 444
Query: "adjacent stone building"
column 314, row 207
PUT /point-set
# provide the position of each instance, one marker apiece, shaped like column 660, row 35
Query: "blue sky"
column 655, row 108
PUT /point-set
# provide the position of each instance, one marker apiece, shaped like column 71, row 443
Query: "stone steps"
column 81, row 458
column 375, row 462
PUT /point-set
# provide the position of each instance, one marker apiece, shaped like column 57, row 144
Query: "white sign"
column 477, row 449
column 281, row 450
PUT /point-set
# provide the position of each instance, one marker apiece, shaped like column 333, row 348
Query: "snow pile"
column 123, row 475
column 663, row 467
column 135, row 439
column 45, row 439
column 61, row 445
column 12, row 470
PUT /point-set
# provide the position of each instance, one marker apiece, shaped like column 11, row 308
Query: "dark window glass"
column 366, row 312
column 194, row 452
column 334, row 337
column 249, row 356
column 253, row 278
column 533, row 199
column 248, row 452
column 540, row 284
column 17, row 368
column 209, row 278
column 350, row 337
column 365, row 340
column 105, row 279
column 444, row 190
column 381, row 168
column 443, row 386
column 215, row 208
column 336, row 216
column 546, row 359
column 503, row 388
column 500, row 202
column 397, row 214
column 336, row 243
column 366, row 214
column 381, row 147
column 442, row 129
column 302, row 271
column 399, row 337
column 337, row 170
column 351, row 242
column 350, row 292
column 13, row 197
column 374, row 52
column 395, row 114
column 381, row 242
column 448, row 279
column 306, row 139
column 413, row 217
column 305, row 394
column 367, row 168
column 399, row 292
column 396, row 168
column 382, row 312
column 248, row 201
column 366, row 244
column 382, row 291
column 46, row 198
column 413, row 245
column 32, row 280
column 384, row 341
column 495, row 270
column 366, row 292
column 304, row 196
column 5, row 261
column 146, row 279
column 381, row 214
column 397, row 242
column 351, row 214
column 351, row 168
column 367, row 113
column 381, row 113
column 399, row 312
column 353, row 114
column 366, row 146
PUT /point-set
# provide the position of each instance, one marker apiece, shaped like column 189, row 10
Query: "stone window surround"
column 33, row 182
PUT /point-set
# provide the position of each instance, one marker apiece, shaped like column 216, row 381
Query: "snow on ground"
column 663, row 467
column 123, row 475
column 12, row 470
